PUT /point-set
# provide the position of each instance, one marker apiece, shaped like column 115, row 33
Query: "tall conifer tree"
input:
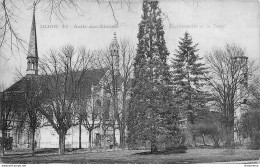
column 151, row 95
column 189, row 79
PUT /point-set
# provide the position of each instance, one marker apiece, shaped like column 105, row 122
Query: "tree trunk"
column 227, row 137
column 203, row 140
column 28, row 139
column 123, row 122
column 80, row 133
column 3, row 143
column 33, row 141
column 100, row 142
column 192, row 123
column 230, row 133
column 89, row 139
column 154, row 147
column 230, row 137
column 230, row 145
column 216, row 142
column 62, row 142
column 194, row 139
column 105, row 142
column 114, row 136
column 2, row 151
column 122, row 138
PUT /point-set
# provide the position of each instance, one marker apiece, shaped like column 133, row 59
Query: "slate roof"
column 91, row 77
column 88, row 78
column 19, row 86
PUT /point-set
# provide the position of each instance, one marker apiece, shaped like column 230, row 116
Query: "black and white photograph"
column 130, row 82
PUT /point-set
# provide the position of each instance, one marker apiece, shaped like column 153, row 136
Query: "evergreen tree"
column 189, row 79
column 151, row 96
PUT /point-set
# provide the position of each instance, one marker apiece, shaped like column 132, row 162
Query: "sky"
column 211, row 23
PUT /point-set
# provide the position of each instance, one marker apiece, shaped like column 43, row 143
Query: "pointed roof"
column 88, row 78
column 32, row 49
column 114, row 43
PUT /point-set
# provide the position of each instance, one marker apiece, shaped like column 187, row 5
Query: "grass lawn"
column 129, row 156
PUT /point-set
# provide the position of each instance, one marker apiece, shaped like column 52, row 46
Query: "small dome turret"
column 114, row 46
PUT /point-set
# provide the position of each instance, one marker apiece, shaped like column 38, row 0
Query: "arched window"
column 33, row 65
column 29, row 64
column 106, row 109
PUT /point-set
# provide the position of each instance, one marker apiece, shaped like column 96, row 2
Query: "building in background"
column 96, row 82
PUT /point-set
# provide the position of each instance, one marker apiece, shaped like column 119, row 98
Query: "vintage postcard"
column 129, row 82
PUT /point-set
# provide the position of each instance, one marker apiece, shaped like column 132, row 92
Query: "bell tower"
column 32, row 56
column 114, row 52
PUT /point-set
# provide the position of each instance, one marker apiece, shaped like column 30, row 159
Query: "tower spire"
column 114, row 50
column 32, row 56
column 115, row 40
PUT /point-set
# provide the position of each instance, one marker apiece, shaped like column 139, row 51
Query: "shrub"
column 8, row 143
column 250, row 128
column 210, row 126
column 254, row 141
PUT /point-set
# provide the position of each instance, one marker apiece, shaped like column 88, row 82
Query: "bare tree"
column 88, row 113
column 230, row 72
column 9, row 112
column 31, row 103
column 254, row 90
column 27, row 100
column 127, row 56
column 62, row 74
column 110, row 84
column 250, row 119
column 9, row 17
column 30, row 100
column 117, row 85
column 87, row 109
column 88, row 105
